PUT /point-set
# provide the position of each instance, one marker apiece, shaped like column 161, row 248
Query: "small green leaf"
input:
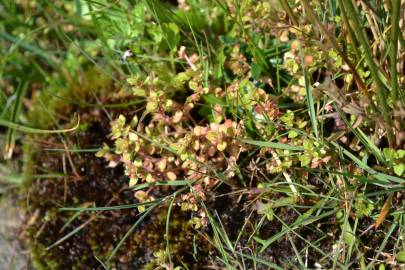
column 305, row 160
column 400, row 154
column 401, row 256
column 256, row 71
column 221, row 146
column 180, row 79
column 138, row 92
column 172, row 35
column 138, row 25
column 156, row 33
column 288, row 118
column 399, row 169
column 292, row 134
column 389, row 154
column 348, row 235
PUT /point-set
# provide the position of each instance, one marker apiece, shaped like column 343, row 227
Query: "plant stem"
column 394, row 48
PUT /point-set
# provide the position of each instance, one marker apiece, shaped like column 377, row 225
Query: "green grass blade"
column 310, row 99
column 28, row 47
column 275, row 145
column 18, row 127
column 101, row 263
column 379, row 176
column 10, row 143
column 394, row 47
column 110, row 208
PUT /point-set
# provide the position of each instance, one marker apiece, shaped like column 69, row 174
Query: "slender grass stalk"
column 310, row 99
column 28, row 47
column 381, row 91
column 332, row 8
column 370, row 146
column 394, row 47
column 350, row 31
column 110, row 208
column 26, row 129
column 101, row 263
column 169, row 212
column 10, row 144
column 382, row 177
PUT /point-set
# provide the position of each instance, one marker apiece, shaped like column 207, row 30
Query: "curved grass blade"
column 22, row 128
column 109, row 208
column 19, row 95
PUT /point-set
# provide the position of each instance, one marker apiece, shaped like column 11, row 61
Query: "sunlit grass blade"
column 362, row 137
column 110, row 208
column 162, row 183
column 395, row 32
column 101, row 263
column 167, row 228
column 22, row 128
column 305, row 219
column 378, row 175
column 310, row 99
column 19, row 96
column 274, row 145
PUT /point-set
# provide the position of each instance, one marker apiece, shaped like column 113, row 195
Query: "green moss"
column 40, row 256
column 57, row 102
